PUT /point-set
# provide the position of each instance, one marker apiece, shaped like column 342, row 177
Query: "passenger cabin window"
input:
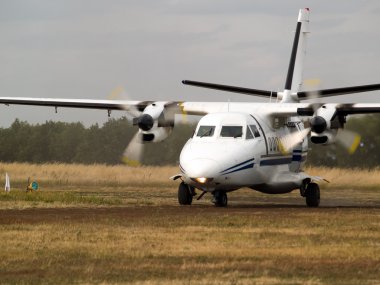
column 255, row 131
column 232, row 132
column 206, row 131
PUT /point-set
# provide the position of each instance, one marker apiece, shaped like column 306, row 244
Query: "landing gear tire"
column 185, row 195
column 312, row 195
column 220, row 199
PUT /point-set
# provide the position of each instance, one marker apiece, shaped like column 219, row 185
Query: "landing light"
column 203, row 180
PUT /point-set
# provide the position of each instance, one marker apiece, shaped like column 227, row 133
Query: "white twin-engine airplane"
column 262, row 146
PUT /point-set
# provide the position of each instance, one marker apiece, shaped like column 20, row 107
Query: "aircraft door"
column 259, row 135
column 256, row 133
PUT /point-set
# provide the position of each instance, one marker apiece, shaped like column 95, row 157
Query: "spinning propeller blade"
column 119, row 93
column 349, row 140
column 289, row 141
column 133, row 153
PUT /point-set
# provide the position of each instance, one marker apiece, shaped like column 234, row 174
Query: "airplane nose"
column 201, row 167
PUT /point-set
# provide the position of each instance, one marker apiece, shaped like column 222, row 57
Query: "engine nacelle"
column 325, row 138
column 156, row 122
column 157, row 134
column 324, row 125
column 323, row 119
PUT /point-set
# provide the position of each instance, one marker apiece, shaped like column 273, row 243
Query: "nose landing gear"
column 220, row 198
column 185, row 194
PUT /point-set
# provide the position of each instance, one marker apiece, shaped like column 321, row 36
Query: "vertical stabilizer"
column 294, row 76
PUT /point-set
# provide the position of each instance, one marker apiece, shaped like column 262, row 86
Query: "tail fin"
column 294, row 76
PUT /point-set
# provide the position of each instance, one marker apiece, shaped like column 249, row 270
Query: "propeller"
column 318, row 124
column 133, row 153
column 154, row 119
column 349, row 140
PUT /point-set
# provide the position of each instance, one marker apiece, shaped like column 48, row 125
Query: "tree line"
column 74, row 143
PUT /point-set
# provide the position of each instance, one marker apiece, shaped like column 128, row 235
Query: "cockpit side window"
column 255, row 131
column 205, row 131
column 249, row 134
column 231, row 131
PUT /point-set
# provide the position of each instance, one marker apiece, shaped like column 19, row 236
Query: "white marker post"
column 7, row 183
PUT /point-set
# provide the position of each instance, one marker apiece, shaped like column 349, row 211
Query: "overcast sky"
column 86, row 48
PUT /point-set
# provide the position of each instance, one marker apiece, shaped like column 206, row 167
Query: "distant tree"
column 168, row 151
column 72, row 142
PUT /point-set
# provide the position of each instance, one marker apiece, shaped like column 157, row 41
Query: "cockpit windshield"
column 205, row 131
column 231, row 131
column 252, row 132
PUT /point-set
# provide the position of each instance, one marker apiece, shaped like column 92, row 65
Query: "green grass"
column 137, row 233
column 56, row 198
column 197, row 246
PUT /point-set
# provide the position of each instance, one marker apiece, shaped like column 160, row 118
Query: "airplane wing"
column 75, row 103
column 282, row 110
column 277, row 110
column 191, row 108
column 196, row 108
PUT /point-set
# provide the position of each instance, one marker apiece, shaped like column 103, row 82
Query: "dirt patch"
column 83, row 214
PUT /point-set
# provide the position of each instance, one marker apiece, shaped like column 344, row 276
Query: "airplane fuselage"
column 233, row 150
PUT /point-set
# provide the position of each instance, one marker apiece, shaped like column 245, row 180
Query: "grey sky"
column 84, row 49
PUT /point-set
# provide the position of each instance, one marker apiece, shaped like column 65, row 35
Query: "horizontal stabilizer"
column 339, row 91
column 242, row 90
column 341, row 109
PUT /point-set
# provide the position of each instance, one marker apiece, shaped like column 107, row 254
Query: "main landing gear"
column 312, row 194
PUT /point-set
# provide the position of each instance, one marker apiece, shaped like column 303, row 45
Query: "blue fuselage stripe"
column 297, row 157
column 237, row 165
column 242, row 168
column 277, row 161
column 284, row 160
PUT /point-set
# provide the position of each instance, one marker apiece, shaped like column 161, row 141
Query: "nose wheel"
column 185, row 194
column 220, row 198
